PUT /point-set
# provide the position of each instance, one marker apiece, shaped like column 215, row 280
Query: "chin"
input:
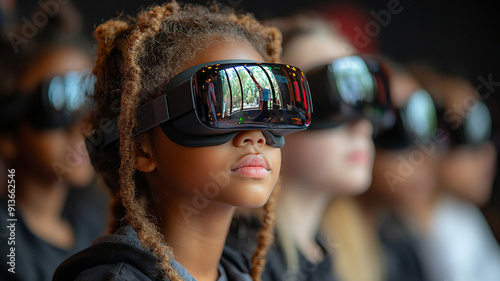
column 355, row 184
column 353, row 189
column 248, row 195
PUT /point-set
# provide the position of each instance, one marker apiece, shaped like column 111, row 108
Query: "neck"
column 196, row 235
column 41, row 203
column 420, row 214
column 416, row 211
column 304, row 205
column 370, row 212
column 40, row 200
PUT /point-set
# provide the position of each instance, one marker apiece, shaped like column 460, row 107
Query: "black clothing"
column 242, row 237
column 35, row 259
column 400, row 249
column 120, row 257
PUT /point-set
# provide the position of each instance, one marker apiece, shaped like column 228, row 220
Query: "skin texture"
column 320, row 164
column 196, row 228
column 40, row 194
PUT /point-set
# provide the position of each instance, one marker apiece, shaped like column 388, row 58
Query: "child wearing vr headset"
column 372, row 242
column 332, row 158
column 458, row 240
column 203, row 108
column 52, row 207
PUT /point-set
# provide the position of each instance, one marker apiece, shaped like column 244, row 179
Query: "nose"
column 361, row 127
column 252, row 137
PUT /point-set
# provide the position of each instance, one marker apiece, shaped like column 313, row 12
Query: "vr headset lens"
column 416, row 120
column 350, row 88
column 56, row 103
column 477, row 125
column 474, row 130
column 251, row 96
column 419, row 115
column 67, row 93
column 354, row 81
column 62, row 100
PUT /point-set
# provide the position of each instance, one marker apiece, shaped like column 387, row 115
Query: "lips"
column 252, row 166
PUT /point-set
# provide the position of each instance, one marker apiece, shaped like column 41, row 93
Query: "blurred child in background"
column 459, row 244
column 57, row 207
column 375, row 243
column 333, row 157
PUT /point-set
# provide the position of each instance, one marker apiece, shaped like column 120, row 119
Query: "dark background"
column 465, row 34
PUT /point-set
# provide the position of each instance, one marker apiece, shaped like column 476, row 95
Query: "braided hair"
column 136, row 58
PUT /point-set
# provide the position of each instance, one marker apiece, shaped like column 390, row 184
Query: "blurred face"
column 469, row 172
column 337, row 160
column 241, row 172
column 56, row 153
column 466, row 171
column 403, row 176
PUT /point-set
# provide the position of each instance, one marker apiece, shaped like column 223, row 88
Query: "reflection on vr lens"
column 67, row 93
column 416, row 120
column 354, row 80
column 419, row 113
column 350, row 88
column 255, row 95
column 477, row 124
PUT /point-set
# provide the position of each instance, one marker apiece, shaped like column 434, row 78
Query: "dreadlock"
column 136, row 58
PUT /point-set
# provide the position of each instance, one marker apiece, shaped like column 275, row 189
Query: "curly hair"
column 136, row 58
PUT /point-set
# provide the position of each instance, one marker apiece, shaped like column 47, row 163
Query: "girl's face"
column 465, row 171
column 338, row 160
column 56, row 153
column 469, row 172
column 403, row 176
column 241, row 172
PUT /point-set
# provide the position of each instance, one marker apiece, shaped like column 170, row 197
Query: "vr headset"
column 416, row 120
column 56, row 103
column 350, row 88
column 473, row 130
column 208, row 104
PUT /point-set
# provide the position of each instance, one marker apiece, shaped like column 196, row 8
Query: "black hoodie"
column 120, row 257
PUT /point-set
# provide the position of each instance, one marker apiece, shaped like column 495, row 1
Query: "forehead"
column 55, row 61
column 311, row 50
column 226, row 50
column 402, row 86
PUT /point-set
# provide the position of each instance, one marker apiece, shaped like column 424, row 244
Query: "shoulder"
column 112, row 272
column 112, row 257
column 234, row 265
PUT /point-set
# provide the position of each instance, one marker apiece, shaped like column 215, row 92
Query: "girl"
column 194, row 142
column 41, row 141
column 458, row 241
column 332, row 158
column 378, row 244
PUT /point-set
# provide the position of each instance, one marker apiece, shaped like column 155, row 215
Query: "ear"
column 144, row 160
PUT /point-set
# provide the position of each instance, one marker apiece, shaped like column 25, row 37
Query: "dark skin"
column 413, row 195
column 40, row 195
column 198, row 241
